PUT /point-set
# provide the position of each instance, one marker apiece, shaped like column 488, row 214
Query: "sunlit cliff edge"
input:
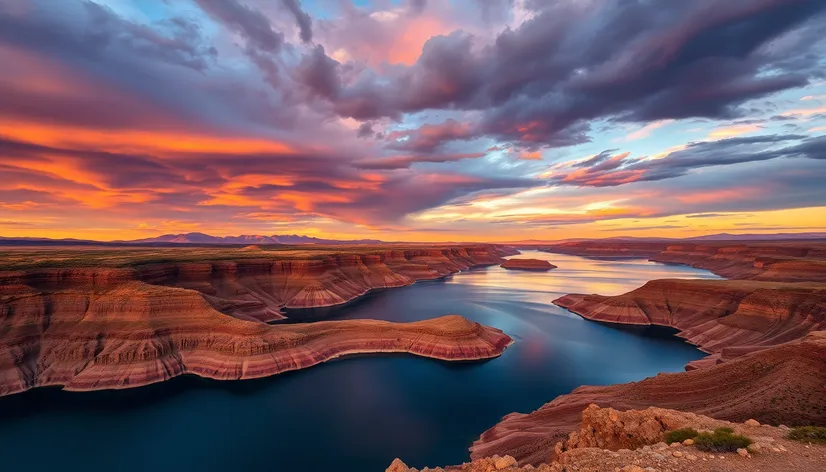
column 102, row 319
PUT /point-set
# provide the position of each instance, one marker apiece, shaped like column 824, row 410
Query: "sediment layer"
column 116, row 319
column 528, row 264
column 764, row 330
column 252, row 284
column 136, row 334
column 788, row 261
column 785, row 384
column 726, row 318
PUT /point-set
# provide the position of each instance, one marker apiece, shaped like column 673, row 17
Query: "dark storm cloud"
column 428, row 138
column 608, row 170
column 263, row 40
column 597, row 159
column 108, row 72
column 305, row 23
column 248, row 22
column 404, row 162
column 365, row 130
column 814, row 148
column 87, row 31
column 628, row 59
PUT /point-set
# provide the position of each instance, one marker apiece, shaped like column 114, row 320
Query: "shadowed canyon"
column 98, row 321
column 114, row 318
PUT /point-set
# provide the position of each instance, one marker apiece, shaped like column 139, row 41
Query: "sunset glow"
column 409, row 120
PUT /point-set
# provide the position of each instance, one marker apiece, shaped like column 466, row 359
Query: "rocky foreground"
column 765, row 332
column 785, row 384
column 608, row 440
column 528, row 264
column 113, row 320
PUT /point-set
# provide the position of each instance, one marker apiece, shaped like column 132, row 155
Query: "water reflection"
column 574, row 275
column 358, row 414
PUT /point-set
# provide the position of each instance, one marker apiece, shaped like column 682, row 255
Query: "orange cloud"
column 127, row 140
column 732, row 131
column 530, row 156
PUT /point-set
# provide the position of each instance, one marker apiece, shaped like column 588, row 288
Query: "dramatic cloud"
column 403, row 162
column 607, row 170
column 305, row 23
column 473, row 118
column 428, row 137
column 577, row 61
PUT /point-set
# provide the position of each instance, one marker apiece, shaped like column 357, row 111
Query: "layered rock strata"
column 528, row 264
column 792, row 261
column 726, row 318
column 124, row 321
column 608, row 440
column 257, row 284
column 135, row 334
column 785, row 384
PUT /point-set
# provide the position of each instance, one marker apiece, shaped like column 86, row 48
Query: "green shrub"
column 680, row 435
column 809, row 434
column 721, row 440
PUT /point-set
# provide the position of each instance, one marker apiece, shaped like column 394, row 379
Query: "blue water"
column 358, row 414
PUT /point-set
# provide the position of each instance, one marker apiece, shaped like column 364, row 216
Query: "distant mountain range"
column 758, row 237
column 201, row 238
column 254, row 239
column 194, row 238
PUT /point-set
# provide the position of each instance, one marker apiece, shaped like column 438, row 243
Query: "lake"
column 357, row 414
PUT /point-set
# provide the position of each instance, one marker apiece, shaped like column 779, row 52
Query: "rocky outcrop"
column 135, row 334
column 789, row 262
column 91, row 319
column 608, row 440
column 785, row 261
column 727, row 318
column 251, row 284
column 785, row 384
column 607, row 428
column 765, row 333
column 528, row 264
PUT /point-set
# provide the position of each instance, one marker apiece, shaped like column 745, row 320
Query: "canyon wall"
column 789, row 261
column 784, row 384
column 726, row 318
column 134, row 334
column 126, row 323
column 257, row 284
column 765, row 331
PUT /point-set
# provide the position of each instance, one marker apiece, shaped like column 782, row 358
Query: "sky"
column 412, row 120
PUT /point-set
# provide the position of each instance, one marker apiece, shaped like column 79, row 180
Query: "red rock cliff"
column 258, row 284
column 125, row 323
column 528, row 264
column 785, row 384
column 725, row 317
column 133, row 334
column 790, row 261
